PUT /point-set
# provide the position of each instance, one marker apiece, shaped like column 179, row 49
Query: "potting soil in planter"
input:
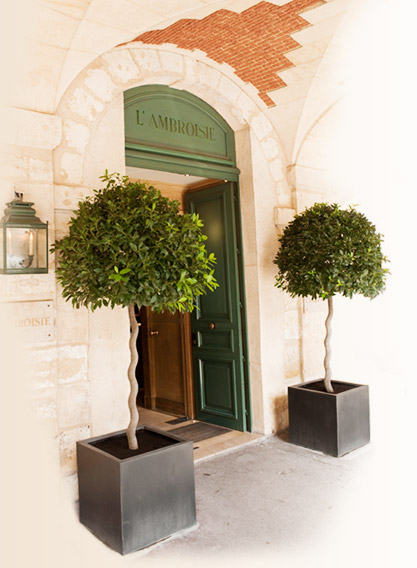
column 319, row 386
column 147, row 441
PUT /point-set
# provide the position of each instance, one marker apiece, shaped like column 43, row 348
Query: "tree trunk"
column 328, row 352
column 133, row 409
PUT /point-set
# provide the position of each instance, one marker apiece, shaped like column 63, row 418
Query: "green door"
column 217, row 323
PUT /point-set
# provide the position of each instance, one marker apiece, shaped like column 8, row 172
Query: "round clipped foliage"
column 327, row 250
column 127, row 244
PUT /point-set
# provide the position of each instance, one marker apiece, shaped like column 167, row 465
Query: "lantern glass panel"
column 25, row 248
column 42, row 248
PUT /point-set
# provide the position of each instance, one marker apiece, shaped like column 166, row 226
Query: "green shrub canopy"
column 127, row 244
column 327, row 250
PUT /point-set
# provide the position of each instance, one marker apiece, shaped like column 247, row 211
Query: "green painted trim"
column 171, row 121
column 24, row 270
column 132, row 146
column 243, row 314
column 179, row 165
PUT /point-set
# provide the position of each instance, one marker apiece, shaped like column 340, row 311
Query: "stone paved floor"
column 272, row 498
column 284, row 505
column 268, row 503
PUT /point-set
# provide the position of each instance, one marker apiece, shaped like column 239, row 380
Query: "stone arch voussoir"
column 85, row 100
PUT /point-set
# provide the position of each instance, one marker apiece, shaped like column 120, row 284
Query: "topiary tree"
column 127, row 245
column 325, row 251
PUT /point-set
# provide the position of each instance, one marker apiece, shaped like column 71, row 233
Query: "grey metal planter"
column 334, row 424
column 132, row 502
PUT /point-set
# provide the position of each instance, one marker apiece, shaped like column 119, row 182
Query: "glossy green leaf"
column 327, row 250
column 129, row 244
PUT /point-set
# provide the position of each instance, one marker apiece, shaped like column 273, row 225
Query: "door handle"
column 212, row 325
column 153, row 332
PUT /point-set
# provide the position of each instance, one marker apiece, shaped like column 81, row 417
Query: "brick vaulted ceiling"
column 253, row 42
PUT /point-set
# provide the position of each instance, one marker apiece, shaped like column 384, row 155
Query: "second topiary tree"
column 127, row 245
column 325, row 251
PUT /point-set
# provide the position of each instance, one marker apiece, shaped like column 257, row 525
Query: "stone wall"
column 69, row 128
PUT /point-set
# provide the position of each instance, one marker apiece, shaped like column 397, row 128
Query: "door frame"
column 214, row 168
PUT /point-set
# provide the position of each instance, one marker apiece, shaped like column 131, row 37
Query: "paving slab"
column 272, row 499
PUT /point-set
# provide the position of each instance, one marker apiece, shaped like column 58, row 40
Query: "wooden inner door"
column 167, row 373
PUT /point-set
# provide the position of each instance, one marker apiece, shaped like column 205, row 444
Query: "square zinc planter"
column 332, row 423
column 132, row 501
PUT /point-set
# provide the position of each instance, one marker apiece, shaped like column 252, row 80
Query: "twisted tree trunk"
column 133, row 409
column 328, row 352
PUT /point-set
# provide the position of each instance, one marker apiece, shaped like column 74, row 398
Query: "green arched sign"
column 172, row 130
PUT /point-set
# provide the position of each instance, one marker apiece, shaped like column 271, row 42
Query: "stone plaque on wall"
column 34, row 321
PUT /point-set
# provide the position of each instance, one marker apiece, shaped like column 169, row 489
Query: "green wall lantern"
column 23, row 239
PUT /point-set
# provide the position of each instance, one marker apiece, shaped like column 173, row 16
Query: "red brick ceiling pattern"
column 252, row 42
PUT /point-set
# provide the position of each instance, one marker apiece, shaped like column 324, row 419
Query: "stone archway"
column 85, row 101
column 91, row 112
